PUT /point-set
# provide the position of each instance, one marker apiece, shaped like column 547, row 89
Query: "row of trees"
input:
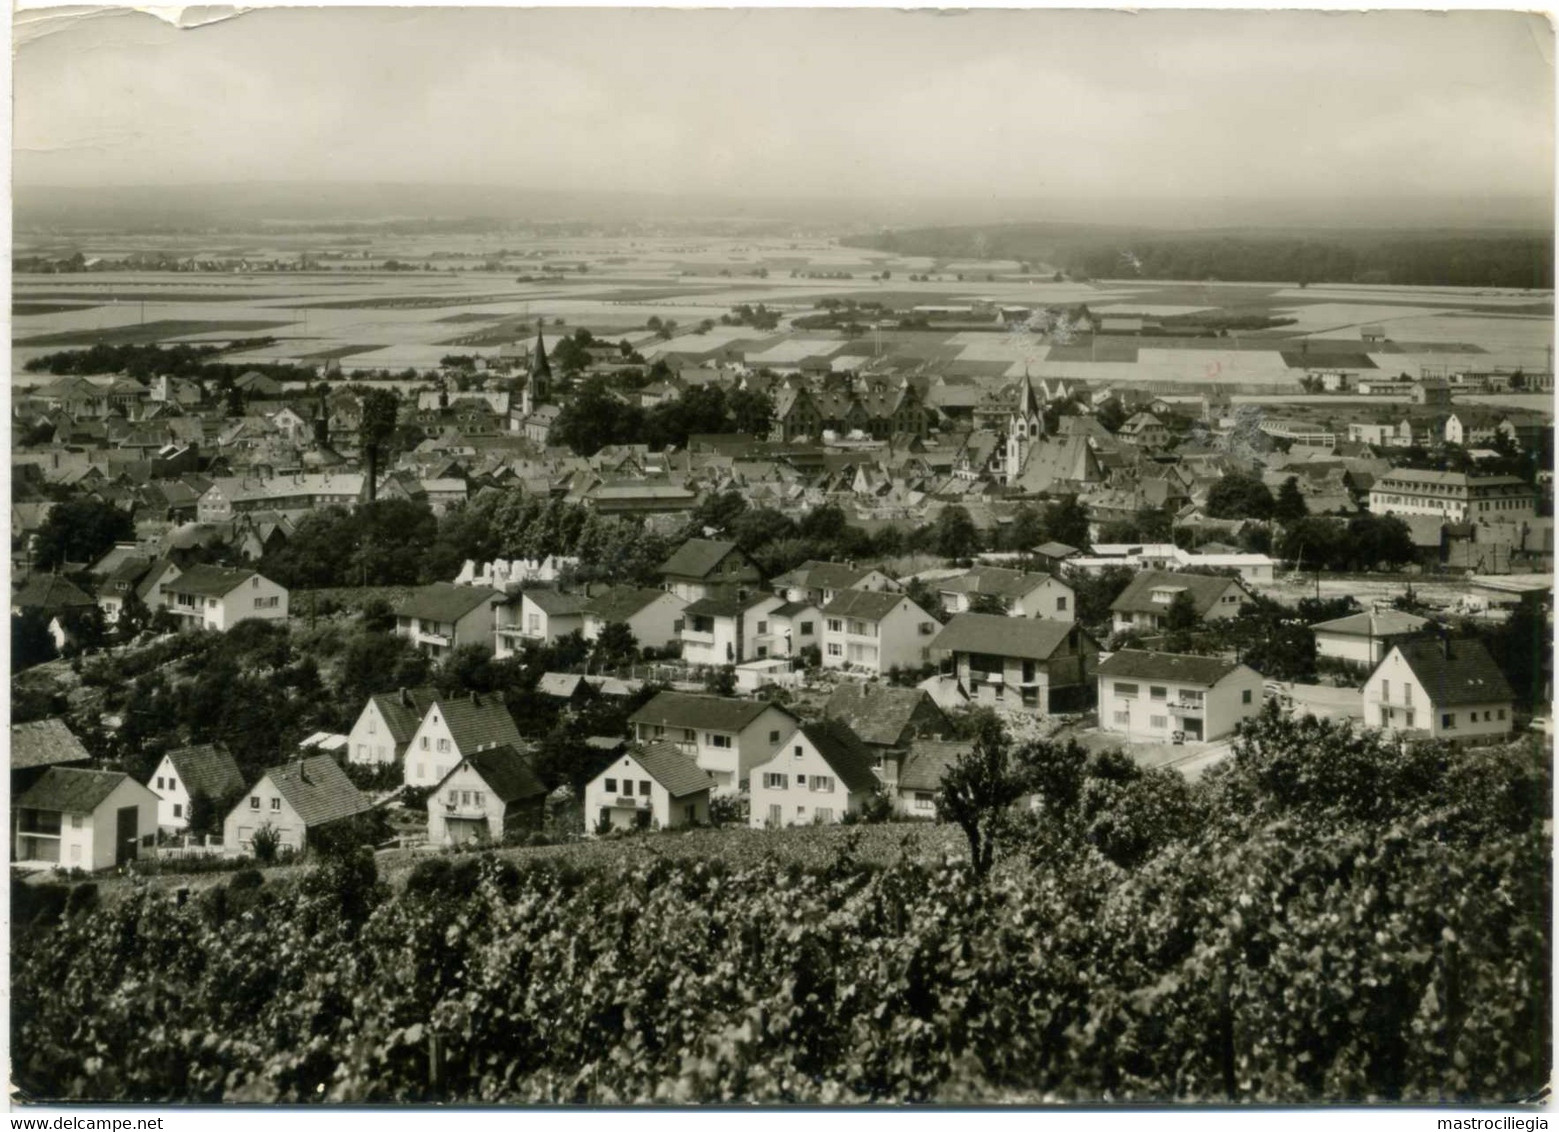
column 596, row 417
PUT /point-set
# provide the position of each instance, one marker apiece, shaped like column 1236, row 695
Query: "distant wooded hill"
column 1440, row 258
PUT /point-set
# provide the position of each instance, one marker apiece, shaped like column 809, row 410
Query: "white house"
column 295, row 801
column 726, row 737
column 1144, row 604
column 1454, row 497
column 82, row 819
column 1155, row 696
column 453, row 729
column 718, row 631
column 490, row 794
column 1365, row 638
column 821, row 773
column 537, row 615
column 215, row 597
column 1018, row 593
column 651, row 615
column 386, row 725
column 702, row 567
column 440, row 617
column 914, row 777
column 182, row 774
column 654, row 783
column 876, row 632
column 1440, row 689
column 818, row 583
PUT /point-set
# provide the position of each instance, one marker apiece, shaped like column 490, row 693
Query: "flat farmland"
column 367, row 318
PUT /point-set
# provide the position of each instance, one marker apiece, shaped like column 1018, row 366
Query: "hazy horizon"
column 1158, row 110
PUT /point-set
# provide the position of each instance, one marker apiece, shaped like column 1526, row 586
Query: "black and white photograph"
column 781, row 558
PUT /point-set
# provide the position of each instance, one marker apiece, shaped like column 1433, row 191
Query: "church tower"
column 1025, row 425
column 538, row 385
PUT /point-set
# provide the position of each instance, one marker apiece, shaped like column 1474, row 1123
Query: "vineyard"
column 1326, row 916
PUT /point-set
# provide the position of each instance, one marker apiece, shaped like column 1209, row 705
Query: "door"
column 127, row 833
column 464, row 831
column 1193, row 729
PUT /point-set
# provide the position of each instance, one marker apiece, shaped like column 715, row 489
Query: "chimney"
column 475, row 700
column 303, row 772
column 405, row 698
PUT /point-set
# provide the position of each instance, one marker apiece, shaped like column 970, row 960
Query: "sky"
column 806, row 102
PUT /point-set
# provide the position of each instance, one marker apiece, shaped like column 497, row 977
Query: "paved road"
column 1325, row 702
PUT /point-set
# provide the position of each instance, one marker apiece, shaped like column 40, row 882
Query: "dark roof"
column 877, row 713
column 49, row 592
column 711, row 713
column 995, row 635
column 70, row 790
column 1055, row 550
column 444, row 601
column 1205, row 590
column 860, row 603
column 620, row 602
column 697, row 557
column 209, row 581
column 44, row 742
column 995, row 580
column 318, row 790
column 475, row 722
column 555, row 603
column 1456, row 671
column 844, row 754
column 508, row 774
column 677, row 772
column 726, row 607
column 1137, row 664
column 816, row 575
column 791, row 608
column 403, row 711
column 207, row 769
column 928, row 760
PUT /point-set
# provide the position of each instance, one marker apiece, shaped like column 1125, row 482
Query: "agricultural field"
column 443, row 300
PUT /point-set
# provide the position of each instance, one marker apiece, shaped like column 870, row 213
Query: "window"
column 1060, row 605
column 823, row 783
column 776, row 781
column 796, row 752
column 1385, row 691
column 1245, row 696
column 806, row 628
column 477, row 798
column 1158, row 722
column 924, row 800
column 159, row 782
column 1407, row 693
column 1123, row 717
column 443, row 746
column 644, row 788
column 1125, row 691
column 534, row 621
column 254, row 803
column 801, row 780
column 1409, row 716
column 835, row 650
column 373, row 726
column 1030, row 697
column 275, row 805
column 75, row 853
column 801, row 812
column 178, row 810
column 267, row 602
column 1448, row 721
column 774, row 738
column 775, row 815
column 1158, row 693
column 824, row 813
column 763, row 627
column 424, row 742
column 721, row 741
column 835, row 625
column 172, row 784
column 611, row 785
column 1502, row 713
column 75, row 819
column 927, row 628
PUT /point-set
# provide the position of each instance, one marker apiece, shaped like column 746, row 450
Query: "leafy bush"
column 264, row 843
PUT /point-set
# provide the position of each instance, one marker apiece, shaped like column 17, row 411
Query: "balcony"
column 1187, row 707
column 697, row 637
column 464, row 810
column 627, row 802
column 443, row 640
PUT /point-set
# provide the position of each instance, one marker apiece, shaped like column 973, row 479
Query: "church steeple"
column 538, row 384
